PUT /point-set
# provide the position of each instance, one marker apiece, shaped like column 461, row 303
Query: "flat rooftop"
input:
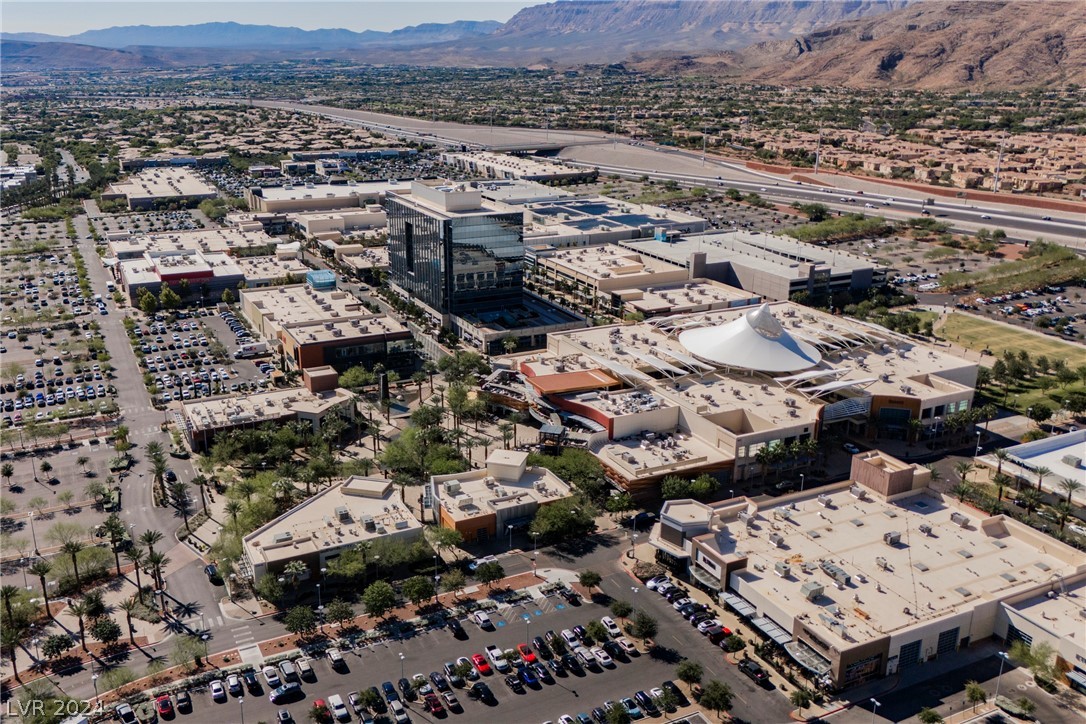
column 300, row 304
column 652, row 454
column 364, row 189
column 374, row 257
column 476, row 493
column 766, row 252
column 874, row 358
column 594, row 211
column 343, row 331
column 684, row 297
column 606, row 262
column 529, row 312
column 518, row 191
column 163, row 183
column 1062, row 615
column 500, row 164
column 449, row 199
column 356, row 510
column 224, row 412
column 208, row 240
column 1055, row 453
column 267, row 268
column 959, row 559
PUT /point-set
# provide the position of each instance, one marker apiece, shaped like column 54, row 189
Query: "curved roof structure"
column 755, row 341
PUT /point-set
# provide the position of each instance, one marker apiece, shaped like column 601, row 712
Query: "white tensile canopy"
column 755, row 341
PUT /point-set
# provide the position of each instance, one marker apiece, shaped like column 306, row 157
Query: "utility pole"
column 704, row 140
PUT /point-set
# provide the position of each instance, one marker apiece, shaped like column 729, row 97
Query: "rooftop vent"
column 891, row 538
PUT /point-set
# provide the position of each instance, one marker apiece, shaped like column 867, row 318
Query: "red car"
column 433, row 705
column 526, row 653
column 480, row 663
column 164, row 704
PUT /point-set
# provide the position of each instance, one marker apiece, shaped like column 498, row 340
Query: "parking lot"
column 564, row 693
column 191, row 355
column 150, row 221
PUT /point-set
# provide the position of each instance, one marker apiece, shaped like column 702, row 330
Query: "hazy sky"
column 75, row 16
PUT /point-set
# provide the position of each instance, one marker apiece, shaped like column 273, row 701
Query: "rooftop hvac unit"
column 782, row 569
column 881, row 563
column 925, row 529
column 776, row 539
column 825, row 500
column 283, row 537
column 452, row 487
column 835, row 572
column 465, row 502
column 891, row 538
column 857, row 492
column 368, row 523
column 812, row 590
column 343, row 513
column 959, row 520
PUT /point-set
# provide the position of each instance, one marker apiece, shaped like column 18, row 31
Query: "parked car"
column 754, row 670
column 218, row 691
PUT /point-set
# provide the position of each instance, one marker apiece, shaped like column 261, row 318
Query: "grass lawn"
column 978, row 334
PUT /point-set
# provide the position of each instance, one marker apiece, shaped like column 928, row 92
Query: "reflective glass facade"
column 459, row 264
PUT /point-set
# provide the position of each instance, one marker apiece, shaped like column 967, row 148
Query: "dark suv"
column 753, row 669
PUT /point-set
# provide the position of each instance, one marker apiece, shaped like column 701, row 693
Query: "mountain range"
column 859, row 43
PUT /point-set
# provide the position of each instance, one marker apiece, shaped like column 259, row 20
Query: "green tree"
column 454, row 582
column 379, row 599
column 149, row 304
column 490, row 573
column 928, row 715
column 1069, row 486
column 6, row 471
column 55, row 645
column 168, row 298
column 73, row 549
column 418, row 589
column 597, row 631
column 644, row 626
column 617, row 714
column 673, row 487
column 339, row 611
column 105, row 630
column 188, row 650
column 717, row 697
column 269, row 588
column 800, row 698
column 300, row 621
column 621, row 609
column 689, row 672
column 227, row 296
column 40, row 568
column 975, row 694
column 589, row 579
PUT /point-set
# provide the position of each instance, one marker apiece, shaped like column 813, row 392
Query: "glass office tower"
column 455, row 260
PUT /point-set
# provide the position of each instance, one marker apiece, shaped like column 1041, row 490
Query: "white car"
column 398, row 713
column 339, row 709
column 611, row 626
column 652, row 583
column 218, row 691
column 663, row 588
column 708, row 624
column 679, row 603
column 566, row 719
column 602, row 656
column 271, row 676
column 233, row 683
column 481, row 618
column 570, row 638
column 627, row 646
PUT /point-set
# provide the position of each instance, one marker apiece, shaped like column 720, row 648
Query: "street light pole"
column 241, row 705
column 801, row 482
column 999, row 679
column 874, row 708
column 94, row 680
column 32, row 533
column 401, row 664
column 976, row 453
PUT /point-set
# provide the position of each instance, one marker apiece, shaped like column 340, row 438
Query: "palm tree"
column 1001, row 482
column 149, row 538
column 233, row 507
column 201, row 481
column 158, row 472
column 72, row 548
column 41, row 568
column 6, row 471
column 962, row 468
column 1042, row 473
column 129, row 606
column 79, row 609
column 135, row 556
column 430, row 369
column 1030, row 498
column 418, row 378
column 1001, row 455
column 82, row 461
column 46, row 468
column 156, row 561
column 962, row 491
column 114, row 528
column 1063, row 511
column 6, row 594
column 506, row 431
column 1069, row 486
column 179, row 491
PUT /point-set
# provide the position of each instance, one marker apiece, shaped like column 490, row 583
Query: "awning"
column 706, row 578
column 583, row 421
column 808, row 658
column 1077, row 679
column 772, row 630
column 739, row 604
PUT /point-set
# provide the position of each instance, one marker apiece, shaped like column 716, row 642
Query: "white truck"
column 497, row 658
column 250, row 349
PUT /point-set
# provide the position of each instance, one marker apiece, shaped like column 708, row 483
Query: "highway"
column 633, row 160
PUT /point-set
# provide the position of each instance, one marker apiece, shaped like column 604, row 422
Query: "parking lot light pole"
column 801, row 482
column 401, row 664
column 241, row 705
column 1002, row 660
column 874, row 708
column 94, row 680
